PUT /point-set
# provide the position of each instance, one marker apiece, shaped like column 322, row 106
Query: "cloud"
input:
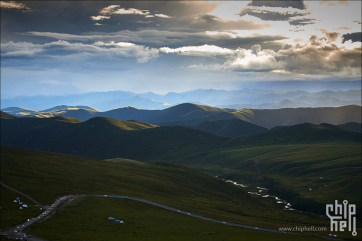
column 64, row 49
column 12, row 4
column 255, row 49
column 280, row 4
column 162, row 15
column 328, row 2
column 357, row 22
column 270, row 15
column 354, row 37
column 116, row 9
column 321, row 60
column 316, row 59
column 302, row 22
column 52, row 82
column 341, row 28
column 173, row 39
column 254, row 60
column 204, row 50
column 100, row 17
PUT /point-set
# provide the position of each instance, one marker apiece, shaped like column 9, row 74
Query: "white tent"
column 25, row 206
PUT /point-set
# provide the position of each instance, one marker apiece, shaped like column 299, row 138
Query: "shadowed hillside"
column 290, row 116
column 5, row 115
column 230, row 128
column 301, row 133
column 352, row 126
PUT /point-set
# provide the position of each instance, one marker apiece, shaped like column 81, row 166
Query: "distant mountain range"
column 188, row 114
column 236, row 99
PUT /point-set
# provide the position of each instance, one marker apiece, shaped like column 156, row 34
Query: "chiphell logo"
column 341, row 216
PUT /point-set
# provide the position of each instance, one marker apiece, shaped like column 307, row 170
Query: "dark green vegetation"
column 4, row 115
column 46, row 176
column 86, row 218
column 289, row 161
column 290, row 116
column 230, row 128
column 351, row 126
column 10, row 214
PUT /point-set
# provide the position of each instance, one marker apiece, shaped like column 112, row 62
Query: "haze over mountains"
column 237, row 99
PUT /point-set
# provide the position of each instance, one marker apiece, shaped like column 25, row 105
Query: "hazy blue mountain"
column 136, row 101
column 19, row 111
column 42, row 102
column 246, row 98
column 66, row 107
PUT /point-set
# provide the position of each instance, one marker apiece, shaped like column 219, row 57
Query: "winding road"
column 18, row 231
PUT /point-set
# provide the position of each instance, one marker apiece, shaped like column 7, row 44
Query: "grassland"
column 87, row 219
column 290, row 170
column 46, row 176
column 10, row 214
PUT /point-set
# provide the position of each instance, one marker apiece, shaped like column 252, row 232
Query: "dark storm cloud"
column 79, row 17
column 279, row 3
column 354, row 37
column 270, row 15
column 302, row 22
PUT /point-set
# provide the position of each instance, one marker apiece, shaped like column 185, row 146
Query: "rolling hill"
column 302, row 133
column 103, row 137
column 66, row 107
column 5, row 115
column 291, row 116
column 351, row 126
column 230, row 128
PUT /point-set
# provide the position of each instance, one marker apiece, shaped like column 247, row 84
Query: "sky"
column 70, row 47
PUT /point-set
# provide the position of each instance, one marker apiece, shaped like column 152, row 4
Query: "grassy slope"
column 298, row 134
column 104, row 138
column 230, row 128
column 86, row 219
column 10, row 214
column 11, row 128
column 352, row 126
column 290, row 116
column 289, row 171
column 45, row 176
column 4, row 115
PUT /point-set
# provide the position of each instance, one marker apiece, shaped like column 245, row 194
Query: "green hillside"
column 298, row 134
column 141, row 222
column 291, row 172
column 19, row 111
column 352, row 126
column 11, row 128
column 293, row 116
column 4, row 115
column 230, row 128
column 104, row 138
column 46, row 176
column 212, row 117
